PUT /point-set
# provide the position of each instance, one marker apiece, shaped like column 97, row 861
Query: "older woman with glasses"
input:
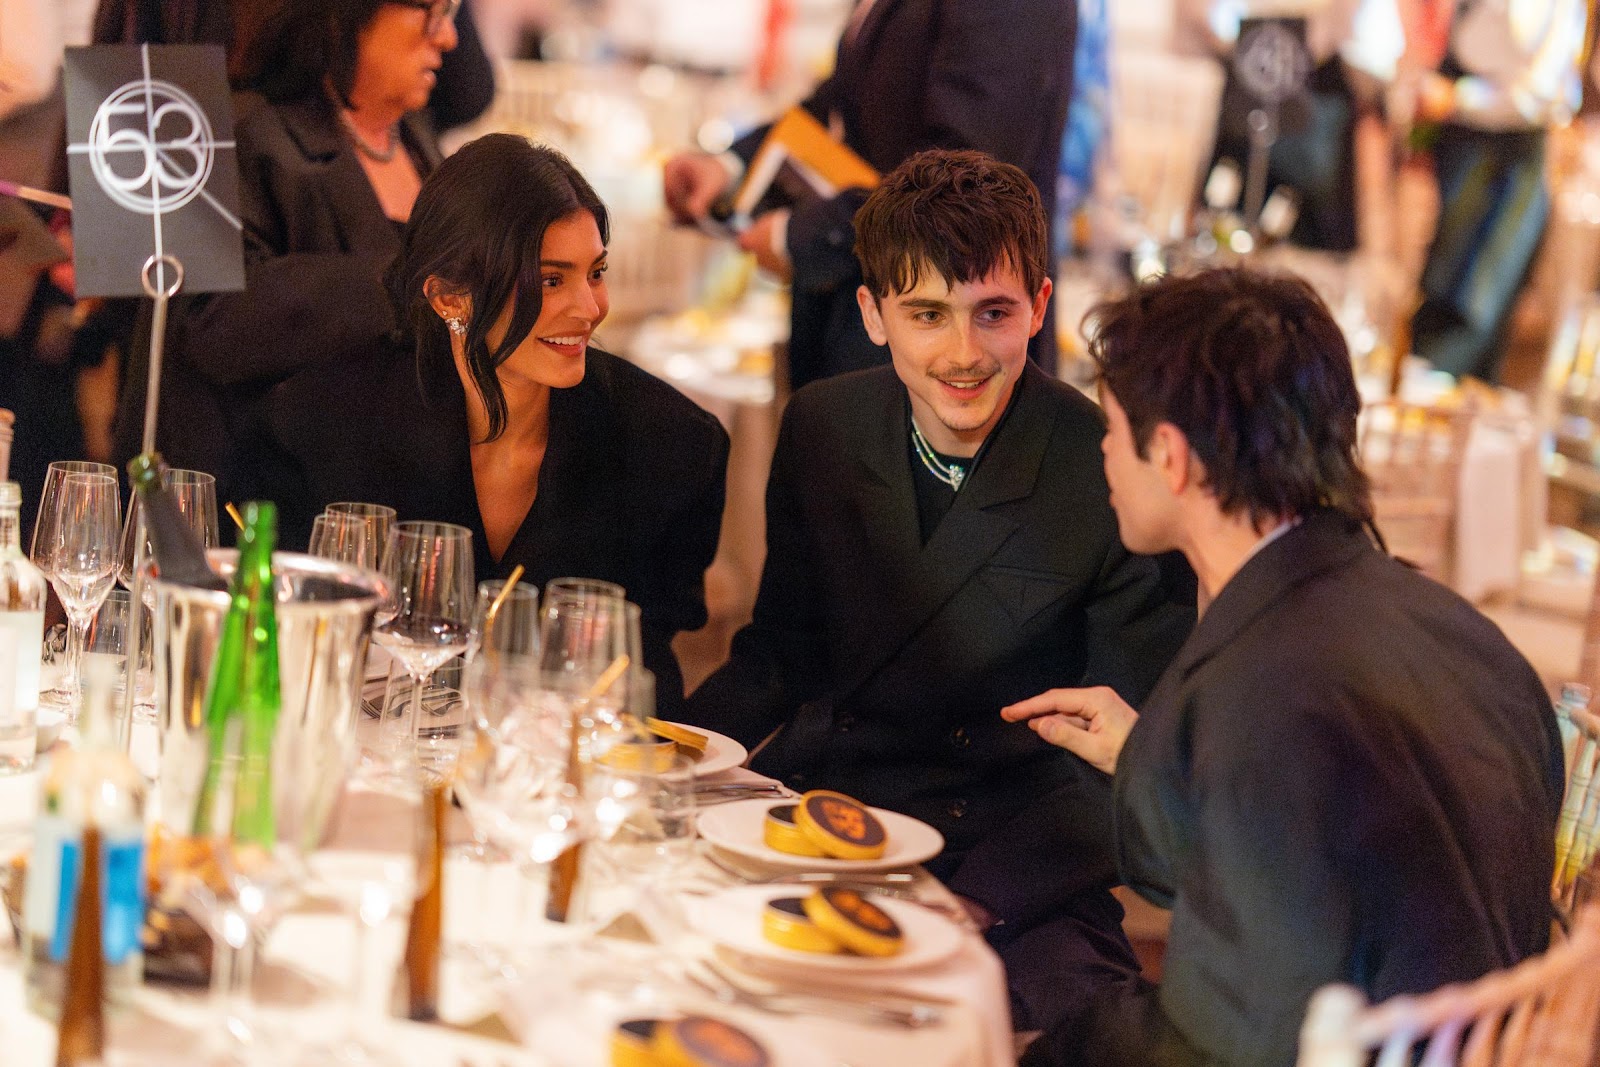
column 331, row 156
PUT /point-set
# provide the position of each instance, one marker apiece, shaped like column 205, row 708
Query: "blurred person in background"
column 491, row 409
column 332, row 149
column 909, row 75
column 1354, row 46
column 1508, row 73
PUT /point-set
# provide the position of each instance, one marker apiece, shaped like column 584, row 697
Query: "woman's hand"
column 1092, row 724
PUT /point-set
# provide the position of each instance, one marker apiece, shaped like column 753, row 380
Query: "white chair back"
column 1541, row 1013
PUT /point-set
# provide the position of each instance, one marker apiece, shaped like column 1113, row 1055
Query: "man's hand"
column 762, row 241
column 690, row 181
column 1090, row 723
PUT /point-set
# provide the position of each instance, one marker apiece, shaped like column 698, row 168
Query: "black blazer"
column 631, row 489
column 887, row 661
column 316, row 243
column 1347, row 775
column 994, row 75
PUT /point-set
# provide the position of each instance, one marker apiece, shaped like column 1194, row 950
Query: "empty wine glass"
column 352, row 533
column 52, row 485
column 429, row 569
column 515, row 628
column 76, row 546
column 195, row 493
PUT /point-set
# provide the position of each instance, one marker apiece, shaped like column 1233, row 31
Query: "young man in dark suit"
column 1347, row 774
column 910, row 75
column 939, row 546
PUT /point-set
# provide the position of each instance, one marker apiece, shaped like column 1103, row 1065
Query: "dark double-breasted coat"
column 886, row 661
column 1347, row 775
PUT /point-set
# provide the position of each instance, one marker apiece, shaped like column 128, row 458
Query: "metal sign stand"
column 160, row 291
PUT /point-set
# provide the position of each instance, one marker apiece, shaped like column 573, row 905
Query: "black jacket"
column 994, row 75
column 630, row 491
column 1347, row 775
column 316, row 243
column 886, row 662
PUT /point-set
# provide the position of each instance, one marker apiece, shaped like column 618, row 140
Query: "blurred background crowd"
column 1437, row 179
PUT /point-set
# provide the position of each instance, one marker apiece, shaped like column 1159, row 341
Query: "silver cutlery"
column 722, row 985
column 754, row 876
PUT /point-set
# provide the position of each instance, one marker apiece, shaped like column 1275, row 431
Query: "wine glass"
column 52, row 485
column 75, row 545
column 352, row 533
column 514, row 630
column 195, row 493
column 429, row 569
column 369, row 862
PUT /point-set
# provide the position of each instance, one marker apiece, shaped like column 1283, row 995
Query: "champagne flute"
column 429, row 569
column 77, row 544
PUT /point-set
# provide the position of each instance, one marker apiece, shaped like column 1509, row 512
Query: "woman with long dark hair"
column 490, row 408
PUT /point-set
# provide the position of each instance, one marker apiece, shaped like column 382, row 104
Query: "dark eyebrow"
column 920, row 303
column 1000, row 301
column 561, row 264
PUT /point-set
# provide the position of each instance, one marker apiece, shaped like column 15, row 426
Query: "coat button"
column 957, row 808
column 960, row 738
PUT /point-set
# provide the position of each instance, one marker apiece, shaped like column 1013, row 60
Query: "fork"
column 717, row 982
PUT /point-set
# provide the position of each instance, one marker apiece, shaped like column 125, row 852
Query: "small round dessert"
column 643, row 753
column 784, row 922
column 841, row 826
column 632, row 1043
column 779, row 832
column 699, row 1041
column 859, row 924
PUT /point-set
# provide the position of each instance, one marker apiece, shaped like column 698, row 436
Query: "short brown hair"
column 962, row 214
column 1254, row 371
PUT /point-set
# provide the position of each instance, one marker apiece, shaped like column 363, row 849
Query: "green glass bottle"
column 243, row 698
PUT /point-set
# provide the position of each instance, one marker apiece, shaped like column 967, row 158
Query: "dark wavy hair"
column 478, row 225
column 961, row 214
column 284, row 49
column 1254, row 371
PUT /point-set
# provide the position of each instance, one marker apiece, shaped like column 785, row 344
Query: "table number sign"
column 152, row 167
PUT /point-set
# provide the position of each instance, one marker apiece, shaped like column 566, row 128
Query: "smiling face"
column 958, row 349
column 396, row 58
column 572, row 286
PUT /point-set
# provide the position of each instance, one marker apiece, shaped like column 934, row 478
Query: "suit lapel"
column 313, row 123
column 917, row 580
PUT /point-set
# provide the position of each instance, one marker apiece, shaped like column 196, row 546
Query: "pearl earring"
column 457, row 327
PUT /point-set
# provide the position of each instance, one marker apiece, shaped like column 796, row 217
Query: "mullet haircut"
column 959, row 214
column 1254, row 371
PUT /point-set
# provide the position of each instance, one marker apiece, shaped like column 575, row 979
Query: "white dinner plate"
column 722, row 753
column 732, row 919
column 737, row 827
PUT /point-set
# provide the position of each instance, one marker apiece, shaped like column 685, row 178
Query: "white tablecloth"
column 307, row 959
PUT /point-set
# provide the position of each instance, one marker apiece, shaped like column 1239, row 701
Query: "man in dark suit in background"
column 939, row 545
column 993, row 75
column 1347, row 774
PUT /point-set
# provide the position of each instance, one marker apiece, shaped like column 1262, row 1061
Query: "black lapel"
column 855, row 53
column 1321, row 542
column 919, row 580
column 313, row 124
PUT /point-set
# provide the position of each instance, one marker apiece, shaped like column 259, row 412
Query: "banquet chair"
column 1413, row 454
column 1578, row 828
column 1543, row 1012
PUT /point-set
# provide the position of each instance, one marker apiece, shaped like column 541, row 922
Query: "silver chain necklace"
column 383, row 155
column 951, row 474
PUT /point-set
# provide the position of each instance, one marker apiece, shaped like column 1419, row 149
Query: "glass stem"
column 233, row 970
column 364, row 1014
column 77, row 640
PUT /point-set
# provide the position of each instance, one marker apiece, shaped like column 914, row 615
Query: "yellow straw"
column 233, row 513
column 494, row 608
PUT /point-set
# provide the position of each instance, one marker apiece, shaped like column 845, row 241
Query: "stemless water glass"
column 643, row 820
column 368, row 861
column 76, row 545
column 515, row 628
column 429, row 569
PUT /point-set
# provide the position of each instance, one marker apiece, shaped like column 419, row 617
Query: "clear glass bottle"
column 23, row 590
column 93, row 784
